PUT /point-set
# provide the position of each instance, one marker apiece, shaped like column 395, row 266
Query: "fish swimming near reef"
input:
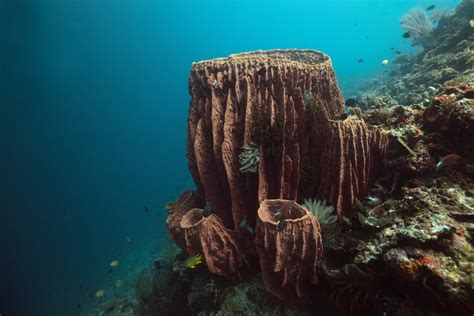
column 246, row 226
column 384, row 62
column 373, row 200
column 207, row 210
column 398, row 52
column 118, row 283
column 360, row 61
column 146, row 209
column 193, row 261
column 406, row 35
column 170, row 206
column 471, row 23
column 431, row 7
column 100, row 293
column 281, row 224
column 114, row 264
column 448, row 161
column 352, row 102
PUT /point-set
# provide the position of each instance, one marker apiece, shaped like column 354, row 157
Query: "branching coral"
column 249, row 158
column 419, row 27
column 323, row 212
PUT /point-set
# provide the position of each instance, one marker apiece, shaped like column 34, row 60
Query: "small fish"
column 360, row 61
column 128, row 239
column 373, row 201
column 207, row 210
column 281, row 224
column 146, row 209
column 447, row 161
column 392, row 48
column 277, row 212
column 170, row 206
column 431, row 7
column 471, row 23
column 247, row 227
column 118, row 283
column 384, row 62
column 352, row 102
column 193, row 261
column 110, row 271
column 366, row 37
column 114, row 263
column 100, row 293
column 355, row 24
column 398, row 52
column 406, row 35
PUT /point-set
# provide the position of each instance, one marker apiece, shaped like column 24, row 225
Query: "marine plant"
column 323, row 212
column 249, row 158
column 418, row 26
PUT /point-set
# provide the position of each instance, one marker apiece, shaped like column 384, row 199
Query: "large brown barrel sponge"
column 288, row 253
column 221, row 246
column 185, row 202
column 287, row 103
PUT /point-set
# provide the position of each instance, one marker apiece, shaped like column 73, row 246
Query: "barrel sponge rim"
column 308, row 57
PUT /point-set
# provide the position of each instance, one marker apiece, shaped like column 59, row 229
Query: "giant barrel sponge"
column 266, row 125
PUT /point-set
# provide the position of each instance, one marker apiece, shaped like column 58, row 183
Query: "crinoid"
column 323, row 211
column 249, row 158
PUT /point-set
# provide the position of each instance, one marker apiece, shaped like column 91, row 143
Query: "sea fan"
column 249, row 158
column 323, row 211
column 419, row 27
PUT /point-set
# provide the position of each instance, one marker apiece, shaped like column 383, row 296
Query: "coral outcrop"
column 289, row 244
column 221, row 246
column 288, row 104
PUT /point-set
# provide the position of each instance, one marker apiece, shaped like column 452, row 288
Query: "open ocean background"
column 93, row 119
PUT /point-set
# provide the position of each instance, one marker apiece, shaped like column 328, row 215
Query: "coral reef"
column 448, row 60
column 419, row 27
column 288, row 240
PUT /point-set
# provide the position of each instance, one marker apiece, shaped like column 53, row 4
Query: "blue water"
column 93, row 118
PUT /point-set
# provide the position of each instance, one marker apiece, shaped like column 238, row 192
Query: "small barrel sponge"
column 186, row 201
column 221, row 246
column 288, row 250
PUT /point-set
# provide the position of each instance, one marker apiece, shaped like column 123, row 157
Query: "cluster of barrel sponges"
column 266, row 129
column 288, row 253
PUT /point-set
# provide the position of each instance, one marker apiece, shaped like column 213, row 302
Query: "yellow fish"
column 118, row 283
column 100, row 293
column 114, row 263
column 193, row 261
column 170, row 206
